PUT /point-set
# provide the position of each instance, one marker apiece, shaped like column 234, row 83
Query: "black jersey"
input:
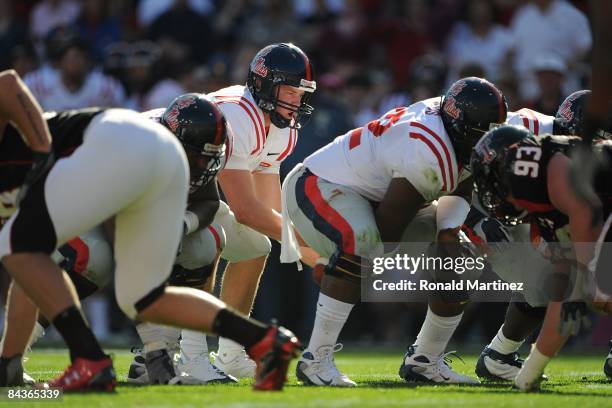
column 527, row 174
column 66, row 130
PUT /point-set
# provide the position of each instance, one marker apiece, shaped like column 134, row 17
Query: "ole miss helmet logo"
column 172, row 116
column 260, row 67
column 450, row 106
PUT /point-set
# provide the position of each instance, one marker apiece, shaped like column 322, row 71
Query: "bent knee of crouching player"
column 198, row 257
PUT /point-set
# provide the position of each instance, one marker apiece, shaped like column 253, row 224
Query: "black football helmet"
column 281, row 64
column 202, row 130
column 491, row 166
column 468, row 110
column 570, row 116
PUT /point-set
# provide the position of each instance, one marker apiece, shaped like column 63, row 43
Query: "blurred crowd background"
column 369, row 56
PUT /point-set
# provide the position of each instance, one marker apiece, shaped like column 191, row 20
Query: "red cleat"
column 272, row 355
column 87, row 375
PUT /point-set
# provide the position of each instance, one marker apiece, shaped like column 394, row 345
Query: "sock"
column 228, row 349
column 78, row 336
column 37, row 333
column 329, row 321
column 239, row 328
column 504, row 345
column 193, row 343
column 156, row 336
column 435, row 333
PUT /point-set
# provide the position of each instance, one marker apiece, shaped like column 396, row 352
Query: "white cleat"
column 198, row 370
column 238, row 366
column 319, row 368
column 428, row 369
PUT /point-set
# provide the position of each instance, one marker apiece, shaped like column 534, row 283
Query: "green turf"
column 576, row 381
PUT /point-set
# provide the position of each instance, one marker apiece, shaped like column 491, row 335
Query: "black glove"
column 41, row 164
column 574, row 316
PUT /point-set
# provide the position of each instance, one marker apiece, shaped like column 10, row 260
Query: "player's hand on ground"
column 574, row 317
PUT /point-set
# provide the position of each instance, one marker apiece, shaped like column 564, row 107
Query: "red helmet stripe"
column 500, row 102
column 307, row 64
column 219, row 122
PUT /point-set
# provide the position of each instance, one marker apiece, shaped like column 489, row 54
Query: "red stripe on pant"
column 216, row 236
column 82, row 254
column 330, row 215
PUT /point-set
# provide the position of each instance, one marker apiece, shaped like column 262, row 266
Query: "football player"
column 196, row 121
column 511, row 166
column 500, row 360
column 377, row 184
column 123, row 166
column 266, row 116
column 88, row 258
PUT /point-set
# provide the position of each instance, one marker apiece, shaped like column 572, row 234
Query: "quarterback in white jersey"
column 376, row 184
column 265, row 116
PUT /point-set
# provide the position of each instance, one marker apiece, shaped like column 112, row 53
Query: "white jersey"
column 536, row 122
column 254, row 149
column 406, row 142
column 97, row 90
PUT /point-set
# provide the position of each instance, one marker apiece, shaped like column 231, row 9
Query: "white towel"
column 290, row 248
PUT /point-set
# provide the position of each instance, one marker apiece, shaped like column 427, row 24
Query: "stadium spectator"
column 75, row 83
column 550, row 72
column 479, row 40
column 13, row 33
column 547, row 27
column 183, row 33
column 49, row 14
column 149, row 10
column 97, row 27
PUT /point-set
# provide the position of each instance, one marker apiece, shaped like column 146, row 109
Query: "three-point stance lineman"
column 376, row 184
column 109, row 163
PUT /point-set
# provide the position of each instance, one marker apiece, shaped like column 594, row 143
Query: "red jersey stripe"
column 431, row 146
column 289, row 147
column 444, row 147
column 252, row 112
column 536, row 122
column 355, row 138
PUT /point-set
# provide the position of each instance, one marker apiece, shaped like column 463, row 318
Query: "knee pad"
column 202, row 247
column 88, row 257
column 346, row 266
column 193, row 278
column 243, row 243
column 129, row 303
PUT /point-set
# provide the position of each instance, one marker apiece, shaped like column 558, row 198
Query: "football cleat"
column 608, row 363
column 160, row 368
column 272, row 354
column 494, row 366
column 198, row 370
column 86, row 375
column 137, row 374
column 320, row 368
column 240, row 366
column 423, row 368
column 12, row 374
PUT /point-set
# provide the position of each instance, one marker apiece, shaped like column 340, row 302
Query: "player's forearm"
column 550, row 341
column 584, row 234
column 19, row 106
column 261, row 218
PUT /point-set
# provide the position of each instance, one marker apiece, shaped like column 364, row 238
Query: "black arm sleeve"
column 205, row 203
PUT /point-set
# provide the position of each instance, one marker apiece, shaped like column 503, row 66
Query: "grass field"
column 576, row 381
